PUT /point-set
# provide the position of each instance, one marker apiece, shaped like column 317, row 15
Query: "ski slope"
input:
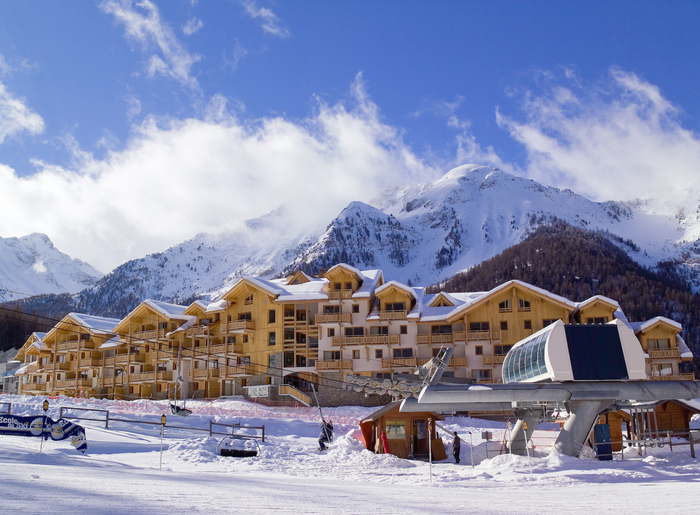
column 120, row 473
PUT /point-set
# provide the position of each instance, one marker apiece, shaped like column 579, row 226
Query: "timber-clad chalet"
column 273, row 338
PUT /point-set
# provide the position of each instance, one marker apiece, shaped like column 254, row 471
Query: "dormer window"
column 395, row 306
column 348, row 286
column 249, row 299
column 336, row 286
column 505, row 306
column 523, row 305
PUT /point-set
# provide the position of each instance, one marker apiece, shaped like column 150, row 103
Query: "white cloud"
column 617, row 140
column 134, row 107
column 16, row 117
column 239, row 52
column 5, row 69
column 179, row 177
column 267, row 19
column 192, row 26
column 144, row 25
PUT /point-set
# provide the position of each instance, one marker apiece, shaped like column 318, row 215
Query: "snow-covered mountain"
column 32, row 265
column 424, row 233
column 418, row 234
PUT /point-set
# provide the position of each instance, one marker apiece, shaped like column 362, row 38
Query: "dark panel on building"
column 596, row 352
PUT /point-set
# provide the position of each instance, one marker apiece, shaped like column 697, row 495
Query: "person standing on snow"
column 456, row 446
column 326, row 434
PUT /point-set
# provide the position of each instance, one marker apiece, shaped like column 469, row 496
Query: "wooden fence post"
column 692, row 445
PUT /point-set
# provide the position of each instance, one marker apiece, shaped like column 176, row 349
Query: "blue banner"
column 44, row 427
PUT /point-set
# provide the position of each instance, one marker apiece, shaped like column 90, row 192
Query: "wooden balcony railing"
column 334, row 318
column 286, row 389
column 340, row 295
column 484, row 336
column 675, row 377
column 434, row 338
column 110, row 361
column 664, row 354
column 384, row 339
column 494, row 360
column 240, row 325
column 33, row 367
column 65, row 346
column 130, row 358
column 393, row 315
column 89, row 362
column 204, row 373
column 458, row 362
column 230, row 371
column 142, row 377
column 334, row 365
column 148, row 335
column 34, row 387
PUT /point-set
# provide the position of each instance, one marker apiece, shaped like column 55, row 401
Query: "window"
column 268, row 380
column 271, row 316
column 403, row 353
column 245, row 338
column 501, row 350
column 523, row 305
column 479, row 350
column 245, row 316
column 378, row 353
column 478, row 326
column 528, row 324
column 355, row 308
column 288, row 334
column 481, row 374
column 289, row 311
column 505, row 307
column 272, row 338
column 356, row 354
column 163, row 325
column 354, row 331
column 331, row 355
column 396, row 429
column 379, row 330
column 597, row 320
column 504, row 326
column 396, row 306
column 404, row 329
column 383, row 375
column 249, row 299
column 288, row 359
column 331, row 310
column 82, row 355
column 244, row 360
column 548, row 321
column 271, row 361
column 243, row 382
column 662, row 344
column 348, row 286
column 230, row 339
column 336, row 286
column 442, row 329
column 331, row 333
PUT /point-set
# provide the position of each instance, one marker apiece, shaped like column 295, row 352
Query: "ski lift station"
column 580, row 370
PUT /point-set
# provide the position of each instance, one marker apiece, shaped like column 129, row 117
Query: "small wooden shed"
column 406, row 433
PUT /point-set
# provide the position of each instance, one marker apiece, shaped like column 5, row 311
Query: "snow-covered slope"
column 32, row 265
column 424, row 233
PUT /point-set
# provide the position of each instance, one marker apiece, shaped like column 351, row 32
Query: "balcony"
column 340, row 295
column 62, row 366
column 110, row 381
column 457, row 362
column 66, row 346
column 88, row 362
column 72, row 383
column 231, row 371
column 125, row 358
column 383, row 339
column 334, row 365
column 334, row 318
column 459, row 336
column 239, row 326
column 226, row 348
column 675, row 377
column 484, row 336
column 393, row 315
column 34, row 367
column 400, row 362
column 434, row 338
column 204, row 373
column 664, row 354
column 110, row 361
column 153, row 334
column 202, row 330
column 34, row 387
column 494, row 360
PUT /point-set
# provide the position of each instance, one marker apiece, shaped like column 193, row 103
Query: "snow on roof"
column 21, row 370
column 38, row 335
column 683, row 347
column 638, row 327
column 216, row 306
column 438, row 313
column 167, row 309
column 396, row 284
column 595, row 298
column 111, row 343
column 369, row 283
column 313, row 290
column 96, row 324
column 346, row 267
column 40, row 346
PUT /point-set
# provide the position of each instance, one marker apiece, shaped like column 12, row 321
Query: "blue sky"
column 199, row 115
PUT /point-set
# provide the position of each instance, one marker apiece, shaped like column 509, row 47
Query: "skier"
column 326, row 434
column 456, row 447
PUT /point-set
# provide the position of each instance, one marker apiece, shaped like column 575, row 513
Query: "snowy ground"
column 120, row 473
